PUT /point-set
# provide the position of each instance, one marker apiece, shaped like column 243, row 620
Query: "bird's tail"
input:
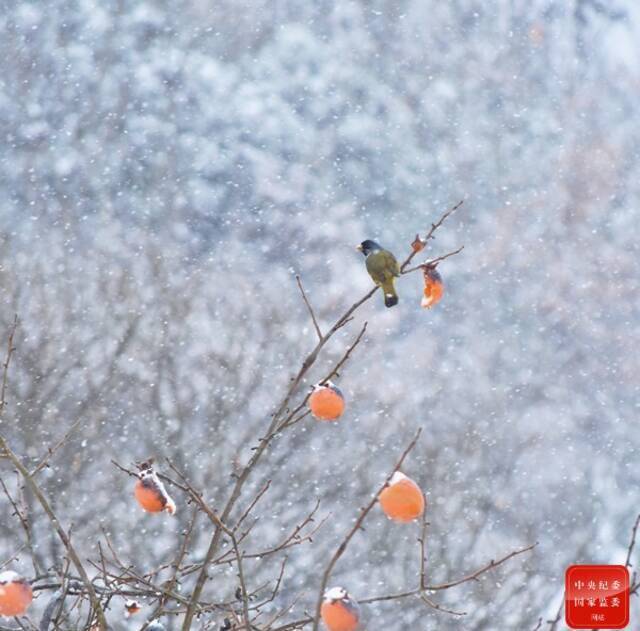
column 390, row 295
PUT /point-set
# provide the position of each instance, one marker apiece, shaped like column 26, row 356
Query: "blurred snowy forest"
column 168, row 166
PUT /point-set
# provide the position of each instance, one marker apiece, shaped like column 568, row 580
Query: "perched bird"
column 402, row 500
column 340, row 612
column 383, row 268
column 151, row 494
column 326, row 402
column 15, row 594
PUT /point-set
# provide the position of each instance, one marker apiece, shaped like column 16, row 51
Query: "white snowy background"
column 168, row 166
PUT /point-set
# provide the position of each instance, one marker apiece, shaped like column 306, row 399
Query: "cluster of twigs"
column 94, row 583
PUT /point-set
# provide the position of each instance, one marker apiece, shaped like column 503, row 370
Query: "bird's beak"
column 359, row 248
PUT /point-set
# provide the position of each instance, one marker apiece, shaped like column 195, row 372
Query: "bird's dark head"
column 368, row 246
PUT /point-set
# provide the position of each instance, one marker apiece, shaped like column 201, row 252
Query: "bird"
column 340, row 612
column 383, row 268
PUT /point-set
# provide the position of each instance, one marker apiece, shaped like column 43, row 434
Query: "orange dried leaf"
column 433, row 288
column 418, row 244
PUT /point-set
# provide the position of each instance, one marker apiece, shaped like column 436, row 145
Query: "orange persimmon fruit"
column 402, row 500
column 339, row 612
column 326, row 402
column 15, row 594
column 151, row 494
column 433, row 288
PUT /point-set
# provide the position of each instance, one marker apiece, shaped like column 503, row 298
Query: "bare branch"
column 433, row 262
column 429, row 235
column 243, row 585
column 5, row 366
column 290, row 420
column 309, row 307
column 26, row 526
column 274, row 428
column 358, row 524
column 434, row 605
column 173, row 581
column 423, row 547
column 442, row 586
column 39, row 495
column 252, row 505
column 554, row 623
column 489, row 566
column 122, row 345
column 66, row 541
column 632, row 543
column 345, row 358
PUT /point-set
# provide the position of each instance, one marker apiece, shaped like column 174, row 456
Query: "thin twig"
column 554, row 623
column 442, row 586
column 632, row 543
column 24, row 522
column 122, row 345
column 489, row 566
column 433, row 262
column 243, row 585
column 5, row 366
column 335, row 371
column 429, row 235
column 423, row 547
column 309, row 307
column 435, row 605
column 252, row 505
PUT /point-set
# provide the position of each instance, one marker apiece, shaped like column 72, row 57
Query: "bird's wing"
column 382, row 266
column 391, row 262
